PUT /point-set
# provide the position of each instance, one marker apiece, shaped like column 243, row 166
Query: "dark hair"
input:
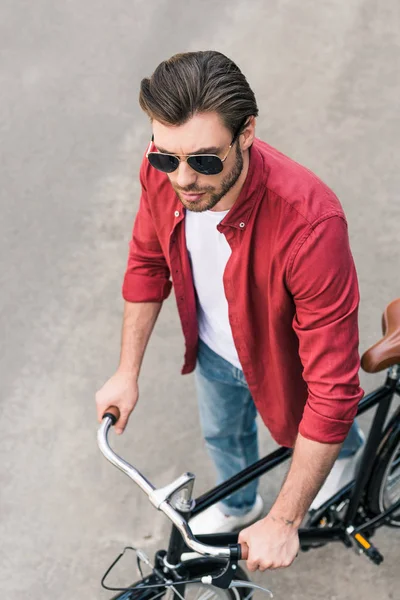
column 196, row 82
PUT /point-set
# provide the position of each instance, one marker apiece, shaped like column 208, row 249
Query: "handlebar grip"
column 113, row 413
column 236, row 551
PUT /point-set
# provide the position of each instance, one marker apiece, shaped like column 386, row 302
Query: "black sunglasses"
column 206, row 164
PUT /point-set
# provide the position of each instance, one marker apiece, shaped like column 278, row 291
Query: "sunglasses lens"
column 206, row 164
column 163, row 162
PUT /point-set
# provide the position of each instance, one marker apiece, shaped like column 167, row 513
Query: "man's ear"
column 248, row 134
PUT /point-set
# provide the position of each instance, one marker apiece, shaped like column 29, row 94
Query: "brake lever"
column 250, row 584
column 225, row 580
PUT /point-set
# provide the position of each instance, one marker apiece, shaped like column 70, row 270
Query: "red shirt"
column 290, row 283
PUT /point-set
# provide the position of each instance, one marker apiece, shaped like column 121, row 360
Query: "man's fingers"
column 265, row 548
column 252, row 565
column 101, row 408
column 121, row 423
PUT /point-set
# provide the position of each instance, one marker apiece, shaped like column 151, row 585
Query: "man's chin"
column 198, row 206
column 195, row 206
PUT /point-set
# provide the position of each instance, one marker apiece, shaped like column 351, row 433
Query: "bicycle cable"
column 167, row 583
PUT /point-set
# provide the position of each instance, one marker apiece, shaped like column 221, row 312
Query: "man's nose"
column 185, row 175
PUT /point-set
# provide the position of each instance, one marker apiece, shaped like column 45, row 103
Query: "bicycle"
column 209, row 563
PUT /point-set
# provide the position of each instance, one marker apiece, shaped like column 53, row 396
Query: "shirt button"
column 177, row 213
column 241, row 225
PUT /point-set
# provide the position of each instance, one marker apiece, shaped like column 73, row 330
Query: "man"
column 258, row 251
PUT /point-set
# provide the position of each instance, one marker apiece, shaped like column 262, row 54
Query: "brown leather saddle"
column 386, row 352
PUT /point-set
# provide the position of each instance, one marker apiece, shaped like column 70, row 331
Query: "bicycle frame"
column 353, row 492
column 344, row 517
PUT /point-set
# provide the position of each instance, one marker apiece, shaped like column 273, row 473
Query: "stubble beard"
column 212, row 197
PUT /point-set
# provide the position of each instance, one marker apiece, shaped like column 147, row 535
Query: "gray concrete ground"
column 326, row 76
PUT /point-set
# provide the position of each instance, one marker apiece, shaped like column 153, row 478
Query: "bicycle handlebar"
column 110, row 417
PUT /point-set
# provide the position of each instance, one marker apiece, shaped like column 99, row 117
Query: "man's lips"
column 192, row 197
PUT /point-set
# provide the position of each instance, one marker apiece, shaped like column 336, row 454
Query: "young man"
column 258, row 251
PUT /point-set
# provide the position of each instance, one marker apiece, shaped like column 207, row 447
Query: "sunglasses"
column 205, row 164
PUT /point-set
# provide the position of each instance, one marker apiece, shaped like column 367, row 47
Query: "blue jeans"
column 228, row 421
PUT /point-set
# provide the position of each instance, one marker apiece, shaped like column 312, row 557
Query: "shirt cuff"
column 323, row 429
column 140, row 288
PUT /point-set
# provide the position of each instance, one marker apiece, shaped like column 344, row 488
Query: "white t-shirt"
column 209, row 252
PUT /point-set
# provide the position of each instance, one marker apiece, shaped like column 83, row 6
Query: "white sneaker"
column 213, row 520
column 343, row 471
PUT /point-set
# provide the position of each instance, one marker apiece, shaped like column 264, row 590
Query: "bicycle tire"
column 194, row 568
column 387, row 465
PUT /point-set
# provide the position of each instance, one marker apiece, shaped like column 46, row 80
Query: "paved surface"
column 326, row 76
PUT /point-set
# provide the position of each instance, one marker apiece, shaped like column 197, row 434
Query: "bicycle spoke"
column 391, row 487
column 173, row 588
column 198, row 594
column 396, row 463
column 392, row 480
column 207, row 594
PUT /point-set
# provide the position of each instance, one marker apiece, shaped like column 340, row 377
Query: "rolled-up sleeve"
column 323, row 282
column 147, row 276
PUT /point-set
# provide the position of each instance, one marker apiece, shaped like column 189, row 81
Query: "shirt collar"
column 253, row 187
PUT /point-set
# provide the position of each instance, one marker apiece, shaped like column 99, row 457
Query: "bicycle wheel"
column 201, row 591
column 192, row 591
column 384, row 488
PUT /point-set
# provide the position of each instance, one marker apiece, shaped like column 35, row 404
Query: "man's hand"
column 270, row 543
column 121, row 391
column 273, row 542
